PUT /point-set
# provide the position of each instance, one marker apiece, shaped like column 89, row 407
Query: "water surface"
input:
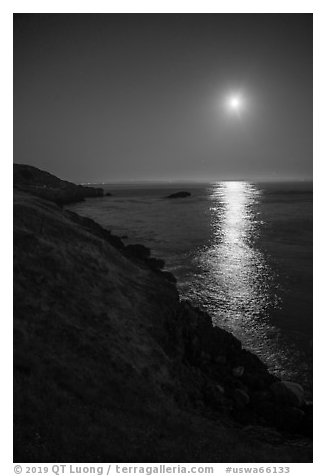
column 241, row 251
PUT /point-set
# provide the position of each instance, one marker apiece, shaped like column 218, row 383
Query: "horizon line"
column 193, row 181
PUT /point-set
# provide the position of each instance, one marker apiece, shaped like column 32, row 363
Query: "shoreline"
column 277, row 357
column 143, row 254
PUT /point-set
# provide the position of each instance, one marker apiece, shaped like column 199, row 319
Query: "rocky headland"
column 110, row 364
column 45, row 185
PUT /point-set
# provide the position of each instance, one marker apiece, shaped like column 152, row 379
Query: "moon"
column 235, row 103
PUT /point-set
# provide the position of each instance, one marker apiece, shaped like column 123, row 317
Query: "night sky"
column 114, row 97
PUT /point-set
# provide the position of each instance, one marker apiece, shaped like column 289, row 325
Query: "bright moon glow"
column 235, row 103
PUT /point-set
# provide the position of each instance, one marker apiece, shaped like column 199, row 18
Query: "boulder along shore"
column 110, row 364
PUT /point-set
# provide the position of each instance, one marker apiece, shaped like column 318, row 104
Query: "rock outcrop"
column 179, row 195
column 45, row 185
column 288, row 393
column 110, row 364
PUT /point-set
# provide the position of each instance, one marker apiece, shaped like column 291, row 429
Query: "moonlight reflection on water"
column 239, row 268
column 239, row 284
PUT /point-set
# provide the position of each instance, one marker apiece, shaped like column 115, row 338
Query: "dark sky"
column 137, row 97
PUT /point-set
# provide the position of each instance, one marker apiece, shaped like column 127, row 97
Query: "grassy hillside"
column 109, row 365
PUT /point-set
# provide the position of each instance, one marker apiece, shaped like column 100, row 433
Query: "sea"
column 241, row 251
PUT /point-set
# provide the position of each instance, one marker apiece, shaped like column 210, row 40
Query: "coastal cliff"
column 110, row 364
column 45, row 185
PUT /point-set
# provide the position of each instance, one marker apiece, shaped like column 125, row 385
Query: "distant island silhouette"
column 179, row 195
